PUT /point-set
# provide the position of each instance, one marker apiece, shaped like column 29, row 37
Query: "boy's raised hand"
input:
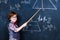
column 25, row 24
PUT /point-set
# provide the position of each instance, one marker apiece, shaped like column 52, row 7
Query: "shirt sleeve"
column 12, row 27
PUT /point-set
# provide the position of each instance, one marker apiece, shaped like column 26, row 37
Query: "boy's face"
column 13, row 18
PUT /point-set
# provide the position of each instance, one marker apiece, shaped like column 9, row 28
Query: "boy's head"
column 12, row 16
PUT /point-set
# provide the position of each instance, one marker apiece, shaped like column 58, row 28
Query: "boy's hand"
column 25, row 24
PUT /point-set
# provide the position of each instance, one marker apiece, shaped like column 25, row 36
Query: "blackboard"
column 44, row 26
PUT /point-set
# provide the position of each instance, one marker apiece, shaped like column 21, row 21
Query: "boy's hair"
column 11, row 14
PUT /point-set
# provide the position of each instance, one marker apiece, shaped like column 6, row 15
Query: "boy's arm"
column 12, row 27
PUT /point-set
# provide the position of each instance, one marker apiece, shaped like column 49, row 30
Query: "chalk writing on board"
column 11, row 8
column 39, row 18
column 56, row 0
column 16, row 6
column 4, row 1
column 47, row 25
column 26, row 1
column 44, row 4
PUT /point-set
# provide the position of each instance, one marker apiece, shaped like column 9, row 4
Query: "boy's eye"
column 14, row 17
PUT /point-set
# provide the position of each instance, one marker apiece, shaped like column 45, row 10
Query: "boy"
column 13, row 28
